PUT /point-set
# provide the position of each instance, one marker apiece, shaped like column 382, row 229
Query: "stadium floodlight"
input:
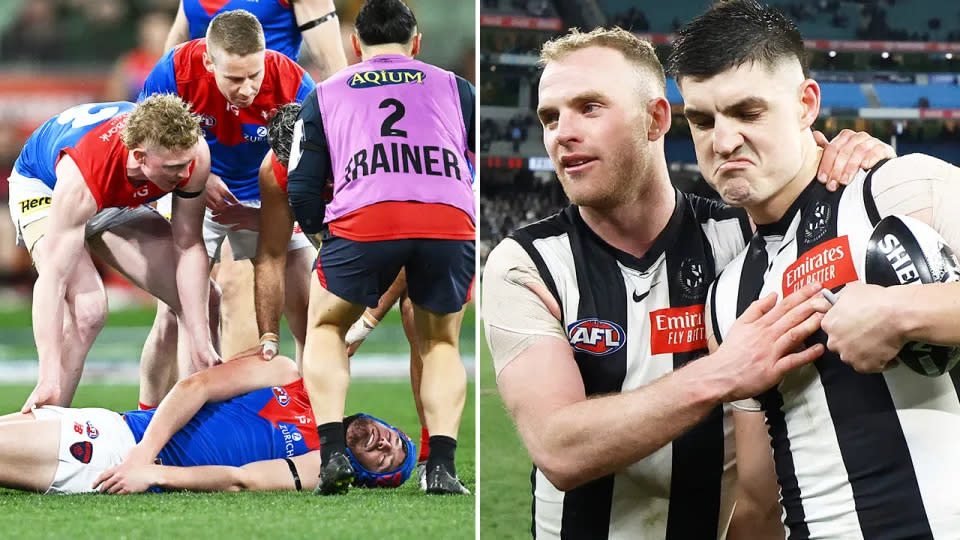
column 948, row 56
column 884, row 55
column 832, row 54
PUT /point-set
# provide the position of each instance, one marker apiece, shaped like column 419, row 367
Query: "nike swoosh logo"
column 639, row 297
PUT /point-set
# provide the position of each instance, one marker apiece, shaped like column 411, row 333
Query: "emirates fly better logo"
column 596, row 336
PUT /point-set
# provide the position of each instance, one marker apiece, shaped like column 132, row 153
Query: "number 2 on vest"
column 386, row 128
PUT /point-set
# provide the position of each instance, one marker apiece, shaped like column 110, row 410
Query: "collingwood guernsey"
column 629, row 321
column 857, row 455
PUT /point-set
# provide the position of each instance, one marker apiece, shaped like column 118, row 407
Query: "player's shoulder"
column 187, row 60
column 913, row 167
column 705, row 209
column 282, row 64
column 556, row 225
column 506, row 255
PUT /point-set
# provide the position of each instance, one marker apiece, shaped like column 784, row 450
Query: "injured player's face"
column 377, row 447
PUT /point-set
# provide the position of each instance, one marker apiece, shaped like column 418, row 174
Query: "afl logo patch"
column 207, row 121
column 282, row 397
column 82, row 451
column 815, row 226
column 92, row 432
column 596, row 336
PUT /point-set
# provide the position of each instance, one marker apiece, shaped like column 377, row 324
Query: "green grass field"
column 505, row 497
column 402, row 513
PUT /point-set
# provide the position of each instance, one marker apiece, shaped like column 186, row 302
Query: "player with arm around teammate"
column 594, row 315
column 79, row 187
column 242, row 425
column 862, row 448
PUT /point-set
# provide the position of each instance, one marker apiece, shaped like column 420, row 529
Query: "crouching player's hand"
column 47, row 392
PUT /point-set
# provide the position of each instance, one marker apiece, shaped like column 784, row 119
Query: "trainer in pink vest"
column 395, row 132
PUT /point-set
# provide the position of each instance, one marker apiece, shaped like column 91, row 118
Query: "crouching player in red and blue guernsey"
column 79, row 187
column 392, row 132
column 242, row 425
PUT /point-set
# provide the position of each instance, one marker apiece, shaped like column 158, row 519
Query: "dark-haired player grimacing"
column 396, row 136
column 861, row 449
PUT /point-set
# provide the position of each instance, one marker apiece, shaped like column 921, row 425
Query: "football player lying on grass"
column 242, row 425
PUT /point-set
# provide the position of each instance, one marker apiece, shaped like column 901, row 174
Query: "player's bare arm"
column 573, row 440
column 276, row 229
column 192, row 265
column 870, row 324
column 320, row 29
column 270, row 475
column 72, row 206
column 241, row 375
column 179, row 32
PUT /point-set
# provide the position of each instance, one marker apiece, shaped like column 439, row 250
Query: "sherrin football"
column 901, row 251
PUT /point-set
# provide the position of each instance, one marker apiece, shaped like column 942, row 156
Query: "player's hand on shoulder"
column 766, row 342
column 858, row 326
column 847, row 153
column 46, row 392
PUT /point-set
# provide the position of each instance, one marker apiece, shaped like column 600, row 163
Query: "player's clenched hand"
column 858, row 327
column 848, row 152
column 126, row 478
column 47, row 392
column 218, row 194
column 766, row 342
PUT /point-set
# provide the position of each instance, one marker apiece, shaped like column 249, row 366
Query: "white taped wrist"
column 270, row 343
column 361, row 328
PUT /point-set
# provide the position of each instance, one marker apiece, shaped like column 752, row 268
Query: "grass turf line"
column 506, row 498
column 398, row 513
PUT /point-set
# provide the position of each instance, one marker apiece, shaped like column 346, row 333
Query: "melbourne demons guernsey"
column 269, row 423
column 395, row 132
column 276, row 17
column 237, row 137
column 90, row 135
column 857, row 455
column 631, row 321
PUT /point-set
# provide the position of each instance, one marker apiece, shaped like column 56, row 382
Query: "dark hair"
column 280, row 131
column 731, row 34
column 385, row 21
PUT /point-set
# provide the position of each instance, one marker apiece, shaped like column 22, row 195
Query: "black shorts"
column 439, row 272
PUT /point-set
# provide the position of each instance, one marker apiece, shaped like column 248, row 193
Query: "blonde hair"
column 235, row 32
column 164, row 120
column 638, row 51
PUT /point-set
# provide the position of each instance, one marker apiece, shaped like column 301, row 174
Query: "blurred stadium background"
column 58, row 53
column 888, row 67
